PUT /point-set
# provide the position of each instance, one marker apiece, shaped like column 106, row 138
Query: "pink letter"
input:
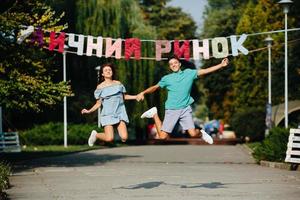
column 111, row 48
column 183, row 50
column 133, row 45
column 160, row 50
column 60, row 40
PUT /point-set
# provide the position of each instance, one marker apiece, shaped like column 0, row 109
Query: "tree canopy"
column 243, row 84
column 26, row 71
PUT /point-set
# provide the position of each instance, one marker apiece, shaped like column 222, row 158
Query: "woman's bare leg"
column 108, row 135
column 122, row 129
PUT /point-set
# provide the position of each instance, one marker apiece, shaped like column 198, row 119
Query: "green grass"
column 59, row 148
column 5, row 171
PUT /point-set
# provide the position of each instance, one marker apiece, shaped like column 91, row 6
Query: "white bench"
column 293, row 147
column 9, row 142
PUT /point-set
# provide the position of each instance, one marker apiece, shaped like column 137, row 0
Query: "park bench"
column 293, row 147
column 9, row 142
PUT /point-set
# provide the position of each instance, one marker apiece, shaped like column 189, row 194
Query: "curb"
column 192, row 141
column 280, row 165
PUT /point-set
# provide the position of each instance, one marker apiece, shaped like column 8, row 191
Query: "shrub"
column 4, row 181
column 273, row 148
column 53, row 134
column 250, row 122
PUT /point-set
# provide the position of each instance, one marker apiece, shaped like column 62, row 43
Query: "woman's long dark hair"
column 101, row 78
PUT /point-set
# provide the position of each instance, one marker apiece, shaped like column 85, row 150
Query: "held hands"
column 140, row 97
column 224, row 62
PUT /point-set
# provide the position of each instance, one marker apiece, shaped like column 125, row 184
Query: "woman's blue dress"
column 113, row 108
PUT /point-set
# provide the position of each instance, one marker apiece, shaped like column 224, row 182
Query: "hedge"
column 53, row 134
column 5, row 171
column 274, row 147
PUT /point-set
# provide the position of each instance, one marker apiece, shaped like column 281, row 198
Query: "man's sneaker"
column 207, row 138
column 149, row 113
column 92, row 138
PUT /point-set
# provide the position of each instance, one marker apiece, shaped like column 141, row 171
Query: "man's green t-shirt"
column 178, row 85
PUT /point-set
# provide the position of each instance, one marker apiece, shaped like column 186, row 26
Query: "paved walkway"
column 154, row 172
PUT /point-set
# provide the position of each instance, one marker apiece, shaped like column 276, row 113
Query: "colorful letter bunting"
column 183, row 50
column 77, row 44
column 200, row 49
column 204, row 50
column 60, row 41
column 217, row 53
column 132, row 45
column 91, row 45
column 238, row 45
column 38, row 36
column 111, row 48
column 159, row 49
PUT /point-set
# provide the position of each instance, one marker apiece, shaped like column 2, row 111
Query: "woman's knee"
column 109, row 139
column 124, row 138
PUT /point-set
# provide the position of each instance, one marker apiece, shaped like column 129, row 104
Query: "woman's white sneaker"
column 207, row 138
column 149, row 113
column 92, row 138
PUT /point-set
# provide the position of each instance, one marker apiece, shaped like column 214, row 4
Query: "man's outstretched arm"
column 224, row 63
column 149, row 90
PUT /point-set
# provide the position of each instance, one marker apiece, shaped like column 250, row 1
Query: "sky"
column 194, row 7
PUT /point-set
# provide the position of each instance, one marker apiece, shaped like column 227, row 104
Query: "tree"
column 169, row 22
column 294, row 52
column 115, row 19
column 26, row 71
column 243, row 85
column 250, row 76
column 221, row 19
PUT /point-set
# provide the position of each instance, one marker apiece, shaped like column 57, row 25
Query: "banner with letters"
column 131, row 48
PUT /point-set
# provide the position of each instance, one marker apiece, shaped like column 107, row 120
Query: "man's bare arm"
column 224, row 63
column 149, row 90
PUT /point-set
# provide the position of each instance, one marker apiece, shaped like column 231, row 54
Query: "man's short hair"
column 173, row 57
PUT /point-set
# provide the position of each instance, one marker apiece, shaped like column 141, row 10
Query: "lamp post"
column 99, row 110
column 65, row 98
column 1, row 129
column 269, row 42
column 285, row 4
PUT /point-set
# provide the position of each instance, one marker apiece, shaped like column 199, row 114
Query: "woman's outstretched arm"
column 92, row 109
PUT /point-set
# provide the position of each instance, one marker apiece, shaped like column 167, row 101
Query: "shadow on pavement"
column 154, row 184
column 70, row 160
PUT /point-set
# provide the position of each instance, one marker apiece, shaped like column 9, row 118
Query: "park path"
column 154, row 172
